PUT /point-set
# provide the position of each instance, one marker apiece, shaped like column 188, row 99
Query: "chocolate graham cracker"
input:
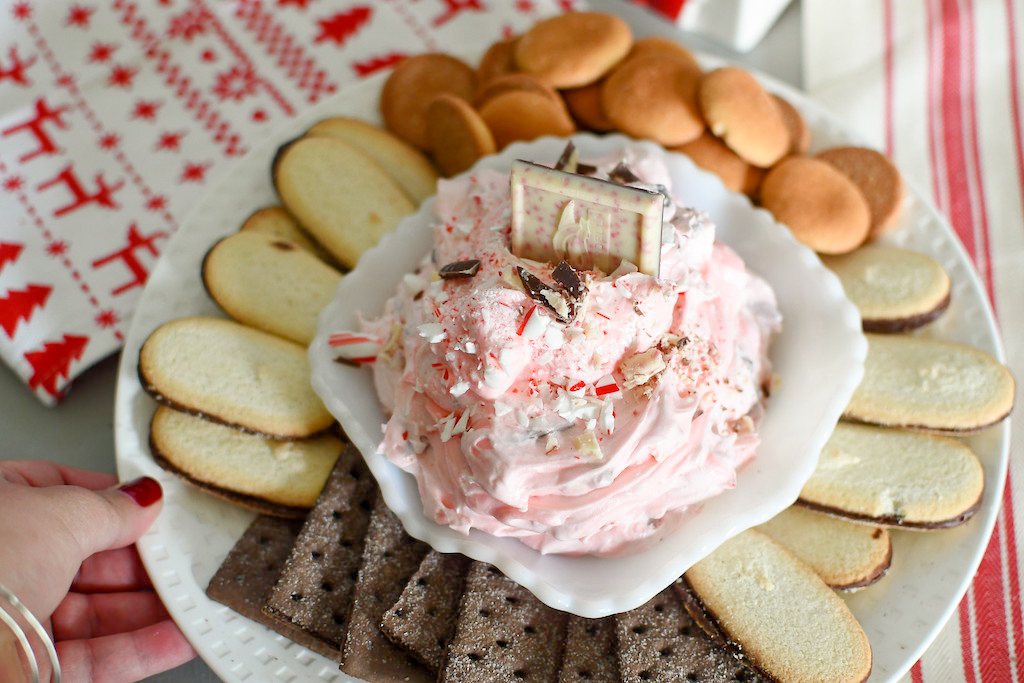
column 658, row 641
column 589, row 651
column 244, row 580
column 314, row 591
column 503, row 633
column 390, row 557
column 422, row 620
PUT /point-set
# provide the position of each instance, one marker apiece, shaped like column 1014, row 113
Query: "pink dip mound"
column 584, row 437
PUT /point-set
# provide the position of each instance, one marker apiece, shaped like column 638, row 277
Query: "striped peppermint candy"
column 355, row 348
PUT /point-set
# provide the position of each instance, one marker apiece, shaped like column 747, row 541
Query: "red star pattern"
column 259, row 116
column 170, row 141
column 101, row 52
column 236, row 84
column 107, row 318
column 145, row 109
column 110, row 140
column 157, row 203
column 22, row 10
column 79, row 16
column 65, row 81
column 301, row 4
column 189, row 24
column 194, row 173
column 13, row 183
column 57, row 248
column 121, row 76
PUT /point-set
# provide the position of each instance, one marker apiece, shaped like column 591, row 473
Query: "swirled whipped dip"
column 580, row 437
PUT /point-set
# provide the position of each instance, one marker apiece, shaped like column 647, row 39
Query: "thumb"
column 114, row 517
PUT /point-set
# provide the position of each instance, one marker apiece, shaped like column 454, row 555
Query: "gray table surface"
column 79, row 431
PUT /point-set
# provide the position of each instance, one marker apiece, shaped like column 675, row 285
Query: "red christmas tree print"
column 375, row 64
column 9, row 252
column 19, row 304
column 343, row 25
column 54, row 361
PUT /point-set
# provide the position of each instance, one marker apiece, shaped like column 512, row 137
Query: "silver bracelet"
column 8, row 617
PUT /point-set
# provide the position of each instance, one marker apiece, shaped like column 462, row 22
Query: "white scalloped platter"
column 820, row 336
column 182, row 550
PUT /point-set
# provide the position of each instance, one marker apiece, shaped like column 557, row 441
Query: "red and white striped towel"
column 116, row 114
column 939, row 85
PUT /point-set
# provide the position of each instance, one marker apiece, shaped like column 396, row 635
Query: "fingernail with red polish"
column 145, row 490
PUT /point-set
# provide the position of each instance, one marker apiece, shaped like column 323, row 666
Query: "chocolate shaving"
column 622, row 174
column 567, row 276
column 586, row 169
column 569, row 161
column 561, row 305
column 459, row 269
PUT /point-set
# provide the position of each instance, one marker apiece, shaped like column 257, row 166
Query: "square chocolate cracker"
column 244, row 580
column 658, row 641
column 590, row 651
column 390, row 557
column 314, row 591
column 245, row 577
column 422, row 620
column 503, row 633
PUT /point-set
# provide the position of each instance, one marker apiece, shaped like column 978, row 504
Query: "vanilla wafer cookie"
column 340, row 195
column 503, row 633
column 846, row 555
column 573, row 49
column 390, row 557
column 235, row 375
column 413, row 84
column 422, row 619
column 281, row 478
column 894, row 289
column 404, row 163
column 740, row 111
column 930, row 384
column 269, row 283
column 895, row 478
column 314, row 591
column 758, row 599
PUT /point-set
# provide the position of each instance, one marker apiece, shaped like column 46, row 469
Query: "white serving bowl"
column 819, row 357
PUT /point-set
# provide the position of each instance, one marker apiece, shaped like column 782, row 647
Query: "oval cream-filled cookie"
column 280, row 478
column 269, row 283
column 756, row 598
column 895, row 478
column 405, row 164
column 233, row 374
column 894, row 289
column 846, row 555
column 344, row 199
column 930, row 384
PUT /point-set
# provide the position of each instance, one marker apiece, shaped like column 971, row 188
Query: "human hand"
column 66, row 551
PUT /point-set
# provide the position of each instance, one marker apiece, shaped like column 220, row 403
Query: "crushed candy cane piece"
column 607, row 387
column 355, row 348
column 432, row 332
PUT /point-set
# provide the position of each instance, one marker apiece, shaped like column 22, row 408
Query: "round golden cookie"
column 822, row 207
column 458, row 136
column 585, row 106
column 655, row 98
column 498, row 60
column 741, row 112
column 574, row 49
column 799, row 131
column 413, row 84
column 525, row 115
column 713, row 155
column 876, row 176
column 516, row 81
column 662, row 47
